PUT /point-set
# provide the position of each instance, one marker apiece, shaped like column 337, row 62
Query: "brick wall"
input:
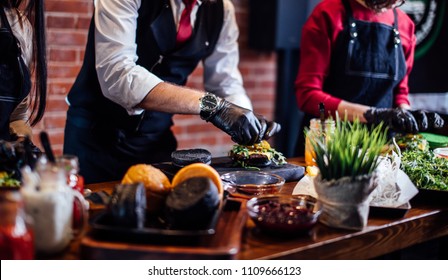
column 67, row 24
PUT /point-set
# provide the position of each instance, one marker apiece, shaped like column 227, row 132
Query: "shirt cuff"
column 138, row 93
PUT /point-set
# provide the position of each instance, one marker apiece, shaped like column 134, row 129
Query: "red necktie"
column 185, row 30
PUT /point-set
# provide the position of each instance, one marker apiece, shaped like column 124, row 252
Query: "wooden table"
column 423, row 222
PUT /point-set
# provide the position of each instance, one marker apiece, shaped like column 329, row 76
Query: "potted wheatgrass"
column 347, row 161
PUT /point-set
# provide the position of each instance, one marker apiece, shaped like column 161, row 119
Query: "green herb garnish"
column 425, row 170
column 6, row 180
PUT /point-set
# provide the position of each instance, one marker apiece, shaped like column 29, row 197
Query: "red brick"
column 68, row 6
column 83, row 22
column 56, row 105
column 201, row 127
column 59, row 88
column 59, row 54
column 56, row 21
column 65, row 71
column 67, row 38
column 55, row 121
column 196, row 143
column 177, row 129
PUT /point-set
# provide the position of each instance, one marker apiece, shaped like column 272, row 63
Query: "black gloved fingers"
column 400, row 120
column 434, row 120
column 253, row 130
column 421, row 119
column 263, row 128
column 235, row 137
column 409, row 124
column 272, row 129
column 245, row 135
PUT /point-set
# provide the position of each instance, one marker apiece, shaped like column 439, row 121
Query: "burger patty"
column 257, row 160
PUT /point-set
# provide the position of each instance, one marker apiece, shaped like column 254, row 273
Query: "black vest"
column 157, row 52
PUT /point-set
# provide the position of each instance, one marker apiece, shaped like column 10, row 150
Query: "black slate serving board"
column 389, row 212
column 290, row 172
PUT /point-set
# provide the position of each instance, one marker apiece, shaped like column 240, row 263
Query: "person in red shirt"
column 356, row 56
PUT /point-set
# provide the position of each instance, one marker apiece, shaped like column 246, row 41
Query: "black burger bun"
column 192, row 203
column 127, row 205
column 183, row 158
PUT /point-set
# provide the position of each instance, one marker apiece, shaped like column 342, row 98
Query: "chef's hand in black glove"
column 427, row 120
column 240, row 123
column 269, row 128
column 397, row 119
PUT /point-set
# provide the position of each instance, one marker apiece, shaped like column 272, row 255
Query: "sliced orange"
column 199, row 170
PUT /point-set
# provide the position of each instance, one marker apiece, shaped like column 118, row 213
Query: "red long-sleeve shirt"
column 318, row 40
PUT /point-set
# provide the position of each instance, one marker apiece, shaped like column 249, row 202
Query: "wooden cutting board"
column 224, row 244
column 291, row 172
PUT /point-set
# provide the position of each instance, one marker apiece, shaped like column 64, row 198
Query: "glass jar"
column 70, row 164
column 49, row 201
column 315, row 131
column 16, row 236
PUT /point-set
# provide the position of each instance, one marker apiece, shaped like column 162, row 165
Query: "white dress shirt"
column 127, row 83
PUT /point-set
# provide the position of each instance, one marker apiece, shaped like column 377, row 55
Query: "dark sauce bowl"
column 284, row 214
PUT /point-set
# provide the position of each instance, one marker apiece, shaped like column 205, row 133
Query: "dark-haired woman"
column 22, row 55
column 356, row 56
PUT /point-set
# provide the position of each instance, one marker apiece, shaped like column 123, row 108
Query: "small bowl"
column 252, row 183
column 284, row 214
column 441, row 152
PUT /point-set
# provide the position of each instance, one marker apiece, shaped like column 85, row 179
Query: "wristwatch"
column 208, row 104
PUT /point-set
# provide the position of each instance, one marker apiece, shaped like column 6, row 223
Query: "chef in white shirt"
column 138, row 57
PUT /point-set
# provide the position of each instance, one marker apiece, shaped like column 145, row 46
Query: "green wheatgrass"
column 352, row 150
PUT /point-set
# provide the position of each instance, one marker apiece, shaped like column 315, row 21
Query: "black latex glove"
column 241, row 124
column 427, row 120
column 397, row 119
column 269, row 128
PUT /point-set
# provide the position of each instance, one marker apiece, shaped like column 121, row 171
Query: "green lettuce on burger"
column 257, row 155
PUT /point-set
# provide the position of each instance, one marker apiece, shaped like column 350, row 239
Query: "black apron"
column 15, row 81
column 367, row 63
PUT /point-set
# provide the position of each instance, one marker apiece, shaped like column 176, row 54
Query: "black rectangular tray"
column 155, row 230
